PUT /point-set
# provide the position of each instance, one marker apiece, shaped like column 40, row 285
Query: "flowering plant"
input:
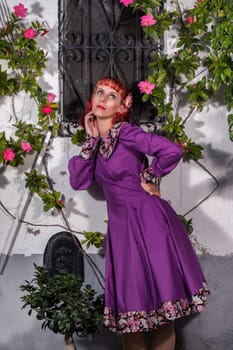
column 146, row 87
column 198, row 69
column 24, row 62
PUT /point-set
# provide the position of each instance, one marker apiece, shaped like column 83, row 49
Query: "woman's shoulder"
column 130, row 130
column 129, row 127
column 131, row 134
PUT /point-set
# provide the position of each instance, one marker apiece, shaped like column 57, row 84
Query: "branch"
column 211, row 192
column 92, row 264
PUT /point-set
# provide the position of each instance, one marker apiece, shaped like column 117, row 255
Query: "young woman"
column 152, row 274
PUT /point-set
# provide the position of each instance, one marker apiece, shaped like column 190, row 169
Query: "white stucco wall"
column 212, row 220
column 188, row 184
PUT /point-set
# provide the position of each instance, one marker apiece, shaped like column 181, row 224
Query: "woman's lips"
column 100, row 107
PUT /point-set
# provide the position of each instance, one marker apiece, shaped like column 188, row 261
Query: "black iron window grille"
column 98, row 38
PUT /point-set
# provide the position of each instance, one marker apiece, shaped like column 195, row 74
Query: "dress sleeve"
column 81, row 167
column 165, row 153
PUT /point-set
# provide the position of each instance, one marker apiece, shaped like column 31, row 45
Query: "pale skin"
column 162, row 339
column 106, row 102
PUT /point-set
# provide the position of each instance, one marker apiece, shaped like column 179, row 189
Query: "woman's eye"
column 99, row 92
column 112, row 96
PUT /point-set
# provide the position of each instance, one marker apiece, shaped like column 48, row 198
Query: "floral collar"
column 108, row 142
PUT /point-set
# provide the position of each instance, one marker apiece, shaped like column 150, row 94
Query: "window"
column 98, row 38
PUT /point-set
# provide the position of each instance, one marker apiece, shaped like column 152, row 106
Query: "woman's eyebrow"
column 109, row 92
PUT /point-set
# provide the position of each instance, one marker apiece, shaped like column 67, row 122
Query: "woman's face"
column 106, row 102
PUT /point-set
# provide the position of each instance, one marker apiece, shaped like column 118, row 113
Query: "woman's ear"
column 123, row 109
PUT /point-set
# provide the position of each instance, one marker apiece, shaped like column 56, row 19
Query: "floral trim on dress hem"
column 142, row 321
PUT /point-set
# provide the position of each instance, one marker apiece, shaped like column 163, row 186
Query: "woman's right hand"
column 151, row 188
column 91, row 126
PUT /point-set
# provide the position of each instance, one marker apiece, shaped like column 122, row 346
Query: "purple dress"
column 152, row 273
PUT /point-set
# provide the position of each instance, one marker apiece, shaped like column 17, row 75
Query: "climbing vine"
column 24, row 62
column 196, row 71
column 199, row 68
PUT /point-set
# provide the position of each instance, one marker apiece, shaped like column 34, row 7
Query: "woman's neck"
column 104, row 125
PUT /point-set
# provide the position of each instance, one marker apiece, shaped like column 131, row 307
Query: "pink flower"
column 60, row 202
column 126, row 3
column 147, row 20
column 20, row 10
column 47, row 109
column 128, row 100
column 8, row 154
column 29, row 33
column 26, row 146
column 146, row 87
column 51, row 97
column 190, row 19
column 198, row 2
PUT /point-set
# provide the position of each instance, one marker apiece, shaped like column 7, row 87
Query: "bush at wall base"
column 64, row 304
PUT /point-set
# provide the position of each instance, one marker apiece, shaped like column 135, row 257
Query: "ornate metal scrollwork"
column 96, row 39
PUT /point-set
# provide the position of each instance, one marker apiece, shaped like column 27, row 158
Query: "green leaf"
column 35, row 182
column 187, row 223
column 63, row 303
column 93, row 238
column 230, row 125
column 78, row 137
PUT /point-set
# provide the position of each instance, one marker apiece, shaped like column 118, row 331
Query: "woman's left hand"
column 150, row 188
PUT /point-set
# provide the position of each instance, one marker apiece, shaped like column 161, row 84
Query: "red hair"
column 118, row 86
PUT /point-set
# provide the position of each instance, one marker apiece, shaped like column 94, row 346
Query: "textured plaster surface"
column 212, row 329
column 213, row 220
column 185, row 187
